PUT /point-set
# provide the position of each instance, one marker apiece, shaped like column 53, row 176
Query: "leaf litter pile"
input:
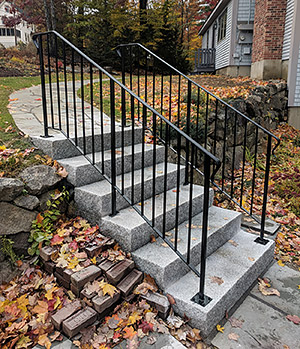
column 28, row 301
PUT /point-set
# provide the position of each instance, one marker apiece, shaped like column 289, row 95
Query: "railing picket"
column 224, row 148
column 188, row 259
column 101, row 120
column 50, row 80
column 113, row 149
column 233, row 154
column 165, row 182
column 261, row 238
column 132, row 148
column 154, row 170
column 188, row 122
column 82, row 106
column 74, row 98
column 177, row 190
column 66, row 89
column 243, row 168
column 92, row 113
column 57, row 82
column 254, row 171
column 143, row 159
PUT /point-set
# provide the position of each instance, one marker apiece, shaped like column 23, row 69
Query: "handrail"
column 188, row 138
column 247, row 122
column 202, row 88
column 82, row 143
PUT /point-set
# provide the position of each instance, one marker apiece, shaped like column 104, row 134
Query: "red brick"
column 120, row 270
column 101, row 304
column 46, row 253
column 80, row 278
column 105, row 265
column 65, row 313
column 158, row 301
column 67, row 274
column 61, row 280
column 129, row 282
column 78, row 321
column 49, row 267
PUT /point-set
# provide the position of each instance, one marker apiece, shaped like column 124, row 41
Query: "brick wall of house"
column 268, row 29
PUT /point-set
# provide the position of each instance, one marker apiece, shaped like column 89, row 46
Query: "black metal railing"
column 94, row 132
column 205, row 60
column 221, row 129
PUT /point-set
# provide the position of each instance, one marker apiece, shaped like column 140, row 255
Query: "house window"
column 2, row 31
column 18, row 34
column 222, row 26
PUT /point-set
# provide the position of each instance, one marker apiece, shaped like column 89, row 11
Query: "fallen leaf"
column 151, row 340
column 129, row 332
column 233, row 243
column 233, row 336
column 251, row 259
column 171, row 299
column 280, row 263
column 294, row 318
column 152, row 238
column 236, row 322
column 216, row 280
column 220, row 328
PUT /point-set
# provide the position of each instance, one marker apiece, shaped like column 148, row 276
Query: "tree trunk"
column 47, row 15
column 53, row 15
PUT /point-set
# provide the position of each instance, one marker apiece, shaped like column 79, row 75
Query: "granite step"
column 133, row 232
column 235, row 267
column 168, row 268
column 82, row 172
column 59, row 147
column 94, row 200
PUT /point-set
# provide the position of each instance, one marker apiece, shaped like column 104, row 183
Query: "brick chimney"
column 268, row 35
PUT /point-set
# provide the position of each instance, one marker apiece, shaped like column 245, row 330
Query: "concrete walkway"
column 263, row 322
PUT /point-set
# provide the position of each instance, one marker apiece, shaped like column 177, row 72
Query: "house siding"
column 297, row 89
column 246, row 6
column 223, row 47
column 288, row 29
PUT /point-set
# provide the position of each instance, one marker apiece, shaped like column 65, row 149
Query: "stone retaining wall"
column 21, row 199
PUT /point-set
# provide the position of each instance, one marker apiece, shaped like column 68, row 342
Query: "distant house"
column 7, row 35
column 257, row 38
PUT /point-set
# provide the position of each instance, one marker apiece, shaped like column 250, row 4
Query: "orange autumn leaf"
column 44, row 341
column 41, row 308
column 129, row 332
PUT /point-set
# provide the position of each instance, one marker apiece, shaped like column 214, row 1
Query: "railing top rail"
column 183, row 134
column 204, row 89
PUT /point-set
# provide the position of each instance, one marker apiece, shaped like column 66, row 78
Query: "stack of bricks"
column 75, row 316
column 91, row 305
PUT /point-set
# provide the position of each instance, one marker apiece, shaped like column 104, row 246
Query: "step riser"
column 86, row 173
column 59, row 147
column 132, row 239
column 165, row 276
column 99, row 206
column 206, row 318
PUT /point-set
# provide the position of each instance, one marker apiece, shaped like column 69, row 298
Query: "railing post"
column 261, row 239
column 200, row 297
column 123, row 121
column 113, row 149
column 44, row 101
column 188, row 122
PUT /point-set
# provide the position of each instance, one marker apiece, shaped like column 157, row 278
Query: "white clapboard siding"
column 246, row 10
column 297, row 90
column 288, row 29
column 223, row 47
